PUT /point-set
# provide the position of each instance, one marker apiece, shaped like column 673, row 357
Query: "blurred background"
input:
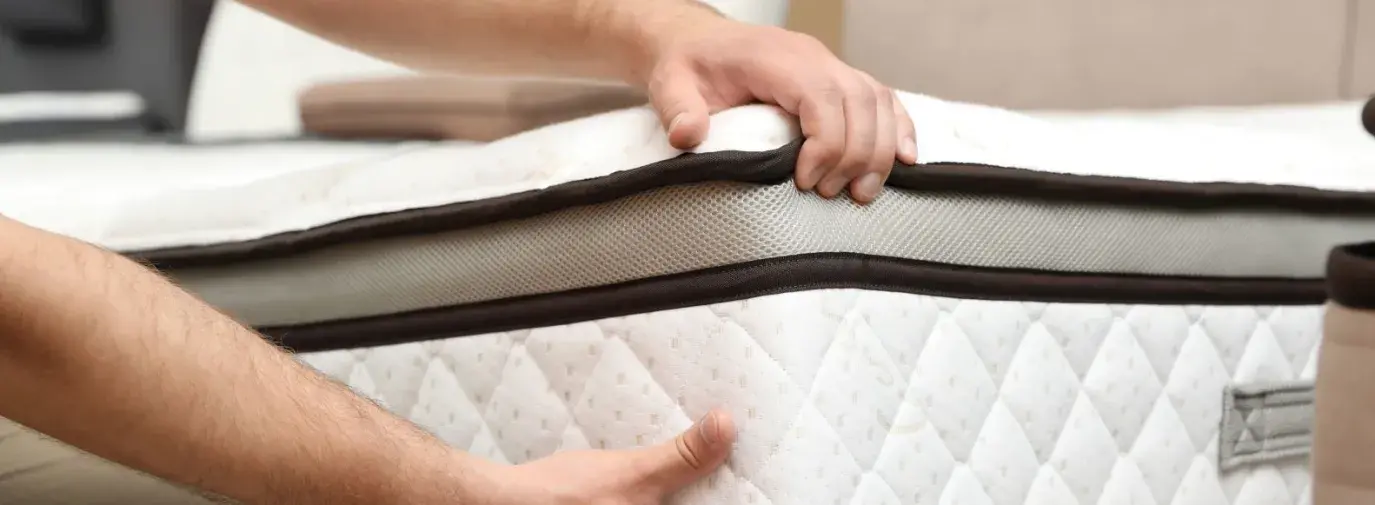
column 1078, row 54
column 214, row 70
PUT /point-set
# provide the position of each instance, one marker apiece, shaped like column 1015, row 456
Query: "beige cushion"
column 455, row 108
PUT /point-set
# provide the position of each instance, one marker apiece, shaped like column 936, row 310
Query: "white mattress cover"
column 192, row 195
column 861, row 397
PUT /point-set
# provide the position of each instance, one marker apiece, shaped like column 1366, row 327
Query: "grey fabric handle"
column 1264, row 423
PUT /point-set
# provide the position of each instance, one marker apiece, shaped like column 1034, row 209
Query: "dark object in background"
column 1368, row 116
column 54, row 23
column 147, row 47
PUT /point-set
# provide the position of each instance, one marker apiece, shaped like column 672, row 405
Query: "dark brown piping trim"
column 773, row 167
column 1131, row 192
column 746, row 167
column 781, row 275
column 1351, row 275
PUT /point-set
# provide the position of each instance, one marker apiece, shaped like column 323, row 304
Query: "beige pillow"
column 453, row 108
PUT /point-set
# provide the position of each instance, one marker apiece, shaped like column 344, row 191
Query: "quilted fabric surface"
column 861, row 397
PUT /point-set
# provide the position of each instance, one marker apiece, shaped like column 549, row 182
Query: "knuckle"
column 828, row 92
column 882, row 164
column 856, row 167
column 884, row 93
column 829, row 152
column 860, row 92
column 849, row 163
column 868, row 79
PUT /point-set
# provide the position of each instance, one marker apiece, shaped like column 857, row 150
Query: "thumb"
column 693, row 454
column 683, row 111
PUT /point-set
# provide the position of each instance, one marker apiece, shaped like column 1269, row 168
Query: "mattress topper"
column 228, row 193
column 600, row 217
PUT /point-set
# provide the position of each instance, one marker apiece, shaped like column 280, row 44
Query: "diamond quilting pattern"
column 955, row 387
column 1040, row 389
column 1194, row 388
column 1163, row 451
column 854, row 397
column 456, row 420
column 863, row 391
column 914, row 462
column 1122, row 385
column 1085, row 458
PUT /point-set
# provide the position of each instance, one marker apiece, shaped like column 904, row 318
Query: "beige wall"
column 1362, row 61
column 1115, row 53
column 820, row 18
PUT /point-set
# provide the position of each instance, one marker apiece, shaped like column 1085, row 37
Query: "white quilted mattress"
column 864, row 397
column 964, row 340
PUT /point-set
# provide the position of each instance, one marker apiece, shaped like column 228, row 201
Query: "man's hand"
column 631, row 477
column 691, row 59
column 86, row 334
column 854, row 126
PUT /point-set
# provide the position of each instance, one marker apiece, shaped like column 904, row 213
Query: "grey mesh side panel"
column 689, row 228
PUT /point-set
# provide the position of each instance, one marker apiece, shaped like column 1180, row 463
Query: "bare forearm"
column 106, row 355
column 613, row 39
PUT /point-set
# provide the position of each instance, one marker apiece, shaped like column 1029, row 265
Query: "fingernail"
column 710, row 428
column 804, row 178
column 672, row 125
column 831, row 187
column 868, row 186
column 908, row 148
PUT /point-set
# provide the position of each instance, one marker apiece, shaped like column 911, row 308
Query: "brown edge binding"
column 1351, row 275
column 772, row 167
column 782, row 275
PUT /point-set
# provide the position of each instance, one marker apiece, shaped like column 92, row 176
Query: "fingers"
column 866, row 187
column 693, row 454
column 907, row 132
column 683, row 111
column 861, row 132
column 853, row 141
column 822, row 116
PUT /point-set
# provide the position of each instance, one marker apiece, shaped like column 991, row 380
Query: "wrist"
column 443, row 475
column 644, row 33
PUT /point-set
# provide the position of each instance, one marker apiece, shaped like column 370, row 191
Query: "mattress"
column 1049, row 308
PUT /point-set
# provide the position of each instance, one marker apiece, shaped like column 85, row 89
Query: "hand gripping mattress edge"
column 424, row 175
column 962, row 401
column 604, row 203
